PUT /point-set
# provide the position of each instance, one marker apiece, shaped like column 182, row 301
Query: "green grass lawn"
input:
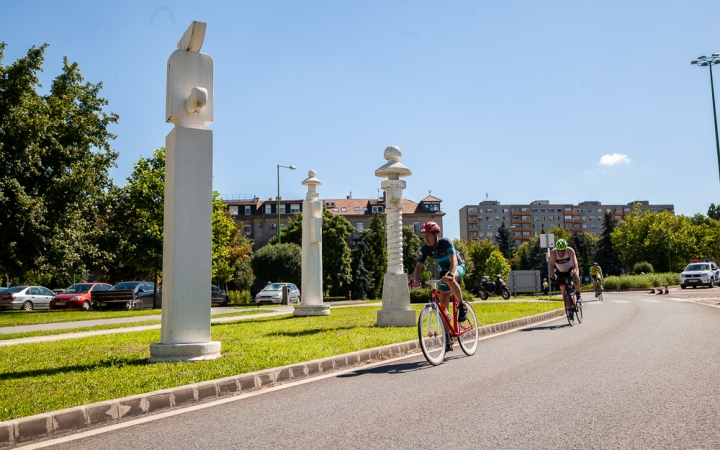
column 42, row 377
column 106, row 327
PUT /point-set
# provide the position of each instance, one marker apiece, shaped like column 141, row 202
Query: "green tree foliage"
column 229, row 247
column 337, row 271
column 476, row 254
column 134, row 239
column 642, row 267
column 714, row 211
column 606, row 256
column 505, row 241
column 664, row 240
column 585, row 246
column 496, row 264
column 54, row 159
column 276, row 263
column 411, row 248
column 363, row 280
column 375, row 257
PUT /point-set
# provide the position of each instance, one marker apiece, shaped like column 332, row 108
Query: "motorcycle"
column 491, row 289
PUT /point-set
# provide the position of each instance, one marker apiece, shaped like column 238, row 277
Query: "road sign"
column 547, row 241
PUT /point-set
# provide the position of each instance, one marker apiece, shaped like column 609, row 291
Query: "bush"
column 276, row 263
column 239, row 297
column 422, row 295
column 647, row 281
column 642, row 267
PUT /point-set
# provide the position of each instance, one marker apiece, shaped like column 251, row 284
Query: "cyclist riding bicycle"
column 451, row 263
column 564, row 262
column 596, row 275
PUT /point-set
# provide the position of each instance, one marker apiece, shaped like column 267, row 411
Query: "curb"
column 80, row 418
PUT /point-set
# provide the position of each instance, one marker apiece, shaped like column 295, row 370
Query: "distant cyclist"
column 597, row 276
column 450, row 261
column 564, row 262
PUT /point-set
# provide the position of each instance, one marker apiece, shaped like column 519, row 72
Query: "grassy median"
column 42, row 377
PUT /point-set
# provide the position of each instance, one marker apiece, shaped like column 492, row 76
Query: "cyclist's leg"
column 576, row 279
column 444, row 301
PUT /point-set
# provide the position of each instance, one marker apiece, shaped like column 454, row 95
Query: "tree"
column 714, row 211
column 505, row 241
column 606, row 256
column 496, row 264
column 362, row 278
column 276, row 263
column 411, row 248
column 375, row 257
column 336, row 257
column 476, row 254
column 585, row 246
column 229, row 247
column 54, row 159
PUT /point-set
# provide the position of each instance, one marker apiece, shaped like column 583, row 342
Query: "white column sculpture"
column 395, row 310
column 312, row 273
column 187, row 244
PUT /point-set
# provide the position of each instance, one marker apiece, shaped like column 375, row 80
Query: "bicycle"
column 598, row 289
column 435, row 327
column 569, row 296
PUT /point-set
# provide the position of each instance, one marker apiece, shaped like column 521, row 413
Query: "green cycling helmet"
column 561, row 244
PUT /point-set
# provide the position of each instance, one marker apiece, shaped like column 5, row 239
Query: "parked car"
column 218, row 296
column 272, row 293
column 26, row 297
column 126, row 295
column 703, row 273
column 77, row 296
column 58, row 291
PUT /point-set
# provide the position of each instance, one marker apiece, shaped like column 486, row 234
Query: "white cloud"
column 614, row 159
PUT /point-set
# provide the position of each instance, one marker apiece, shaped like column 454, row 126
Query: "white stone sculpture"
column 395, row 310
column 187, row 244
column 312, row 273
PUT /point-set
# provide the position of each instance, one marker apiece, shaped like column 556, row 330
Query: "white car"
column 272, row 293
column 704, row 273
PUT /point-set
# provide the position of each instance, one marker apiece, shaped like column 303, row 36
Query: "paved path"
column 639, row 372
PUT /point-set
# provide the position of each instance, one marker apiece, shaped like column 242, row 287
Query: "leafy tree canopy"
column 54, row 159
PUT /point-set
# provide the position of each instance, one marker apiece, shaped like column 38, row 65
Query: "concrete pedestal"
column 184, row 352
column 396, row 310
column 311, row 310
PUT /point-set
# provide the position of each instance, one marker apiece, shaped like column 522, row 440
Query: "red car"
column 77, row 296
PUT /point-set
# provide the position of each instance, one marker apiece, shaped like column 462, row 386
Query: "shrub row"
column 647, row 281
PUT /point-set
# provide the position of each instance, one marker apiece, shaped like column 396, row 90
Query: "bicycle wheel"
column 469, row 339
column 431, row 333
column 568, row 311
column 578, row 311
column 600, row 296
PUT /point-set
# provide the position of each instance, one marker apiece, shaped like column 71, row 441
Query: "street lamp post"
column 709, row 61
column 278, row 198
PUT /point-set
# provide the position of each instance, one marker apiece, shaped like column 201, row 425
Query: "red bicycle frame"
column 451, row 323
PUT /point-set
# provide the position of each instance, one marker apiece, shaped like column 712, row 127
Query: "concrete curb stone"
column 63, row 422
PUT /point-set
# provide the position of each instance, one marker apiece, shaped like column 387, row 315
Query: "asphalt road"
column 640, row 372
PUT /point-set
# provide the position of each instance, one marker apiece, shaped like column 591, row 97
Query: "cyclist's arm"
column 453, row 265
column 576, row 266
column 416, row 272
column 551, row 264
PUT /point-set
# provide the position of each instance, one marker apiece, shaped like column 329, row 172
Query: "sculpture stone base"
column 184, row 352
column 396, row 310
column 311, row 310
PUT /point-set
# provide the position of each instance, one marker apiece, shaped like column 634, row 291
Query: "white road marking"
column 649, row 300
column 621, row 301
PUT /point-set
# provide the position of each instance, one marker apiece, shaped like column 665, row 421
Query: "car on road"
column 126, row 295
column 77, row 296
column 58, row 291
column 26, row 297
column 272, row 293
column 218, row 297
column 702, row 273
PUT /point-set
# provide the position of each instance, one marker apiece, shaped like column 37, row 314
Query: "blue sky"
column 520, row 100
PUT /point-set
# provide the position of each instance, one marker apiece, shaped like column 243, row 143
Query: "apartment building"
column 481, row 221
column 259, row 218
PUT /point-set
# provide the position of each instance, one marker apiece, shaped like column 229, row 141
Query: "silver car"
column 25, row 297
column 272, row 293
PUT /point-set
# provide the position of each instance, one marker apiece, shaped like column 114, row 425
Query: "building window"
column 497, row 219
column 489, row 219
column 592, row 211
column 248, row 210
column 568, row 217
column 473, row 234
column 534, row 210
column 592, row 218
column 233, row 210
column 479, row 219
column 536, row 218
column 584, row 226
column 472, row 226
column 583, row 219
column 480, row 227
column 481, row 234
column 357, row 208
column 593, row 233
column 517, row 233
column 592, row 225
column 377, row 209
column 431, row 207
column 247, row 230
column 551, row 210
column 542, row 210
column 416, row 227
column 268, row 208
column 343, row 209
column 489, row 235
column 505, row 210
column 335, row 210
column 523, row 210
column 489, row 227
column 652, row 210
column 471, row 210
column 536, row 225
column 359, row 227
column 295, row 208
column 583, row 211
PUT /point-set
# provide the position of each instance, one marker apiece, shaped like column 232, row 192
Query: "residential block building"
column 481, row 221
column 259, row 218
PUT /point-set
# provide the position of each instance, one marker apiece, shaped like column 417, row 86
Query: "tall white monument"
column 187, row 245
column 312, row 273
column 395, row 310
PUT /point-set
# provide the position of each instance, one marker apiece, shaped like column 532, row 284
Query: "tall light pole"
column 278, row 198
column 709, row 61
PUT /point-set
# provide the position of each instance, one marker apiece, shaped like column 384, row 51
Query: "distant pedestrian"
column 546, row 286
